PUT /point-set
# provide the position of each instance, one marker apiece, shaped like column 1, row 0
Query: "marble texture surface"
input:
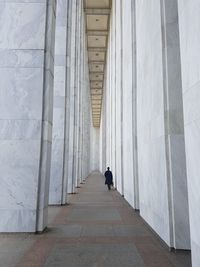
column 174, row 130
column 78, row 113
column 119, row 182
column 113, row 92
column 107, row 91
column 95, row 149
column 26, row 124
column 86, row 120
column 150, row 111
column 57, row 194
column 127, row 102
column 71, row 99
column 143, row 115
column 189, row 41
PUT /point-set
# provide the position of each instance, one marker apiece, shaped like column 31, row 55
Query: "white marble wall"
column 189, row 21
column 26, row 89
column 144, row 115
column 57, row 191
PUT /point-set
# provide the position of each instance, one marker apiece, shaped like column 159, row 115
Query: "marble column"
column 26, row 106
column 81, row 84
column 78, row 90
column 119, row 163
column 85, row 110
column 161, row 147
column 113, row 90
column 57, row 193
column 189, row 21
column 103, row 130
column 95, row 148
column 174, row 128
column 86, row 117
column 78, row 102
column 71, row 96
column 107, row 109
column 150, row 119
column 134, row 107
column 128, row 83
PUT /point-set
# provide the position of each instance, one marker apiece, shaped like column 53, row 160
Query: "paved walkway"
column 97, row 229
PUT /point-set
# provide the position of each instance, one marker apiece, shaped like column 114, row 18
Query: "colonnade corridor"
column 97, row 229
column 91, row 84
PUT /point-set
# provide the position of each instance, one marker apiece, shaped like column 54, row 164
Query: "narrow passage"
column 97, row 229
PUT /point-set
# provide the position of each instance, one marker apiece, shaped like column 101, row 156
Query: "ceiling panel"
column 96, row 67
column 96, row 91
column 96, row 77
column 96, row 56
column 96, row 85
column 97, row 97
column 97, row 3
column 97, row 41
column 97, row 23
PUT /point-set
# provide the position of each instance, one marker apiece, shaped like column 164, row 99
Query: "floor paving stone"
column 97, row 229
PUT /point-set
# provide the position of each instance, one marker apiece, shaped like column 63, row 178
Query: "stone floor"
column 97, row 229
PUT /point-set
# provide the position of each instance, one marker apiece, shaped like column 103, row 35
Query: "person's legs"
column 108, row 186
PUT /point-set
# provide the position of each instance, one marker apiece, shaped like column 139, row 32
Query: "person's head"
column 108, row 168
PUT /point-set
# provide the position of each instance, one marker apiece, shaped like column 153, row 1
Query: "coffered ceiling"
column 97, row 25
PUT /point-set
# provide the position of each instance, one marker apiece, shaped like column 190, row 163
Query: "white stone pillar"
column 87, row 119
column 81, row 84
column 57, row 193
column 71, row 97
column 161, row 151
column 134, row 106
column 174, row 128
column 26, row 86
column 150, row 119
column 107, row 110
column 127, row 91
column 94, row 149
column 103, row 130
column 113, row 89
column 77, row 94
column 118, row 88
column 189, row 21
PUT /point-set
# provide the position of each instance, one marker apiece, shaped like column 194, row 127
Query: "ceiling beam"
column 96, row 33
column 97, row 11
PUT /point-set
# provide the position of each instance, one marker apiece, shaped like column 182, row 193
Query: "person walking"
column 109, row 178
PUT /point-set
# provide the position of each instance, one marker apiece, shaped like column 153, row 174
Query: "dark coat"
column 109, row 178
